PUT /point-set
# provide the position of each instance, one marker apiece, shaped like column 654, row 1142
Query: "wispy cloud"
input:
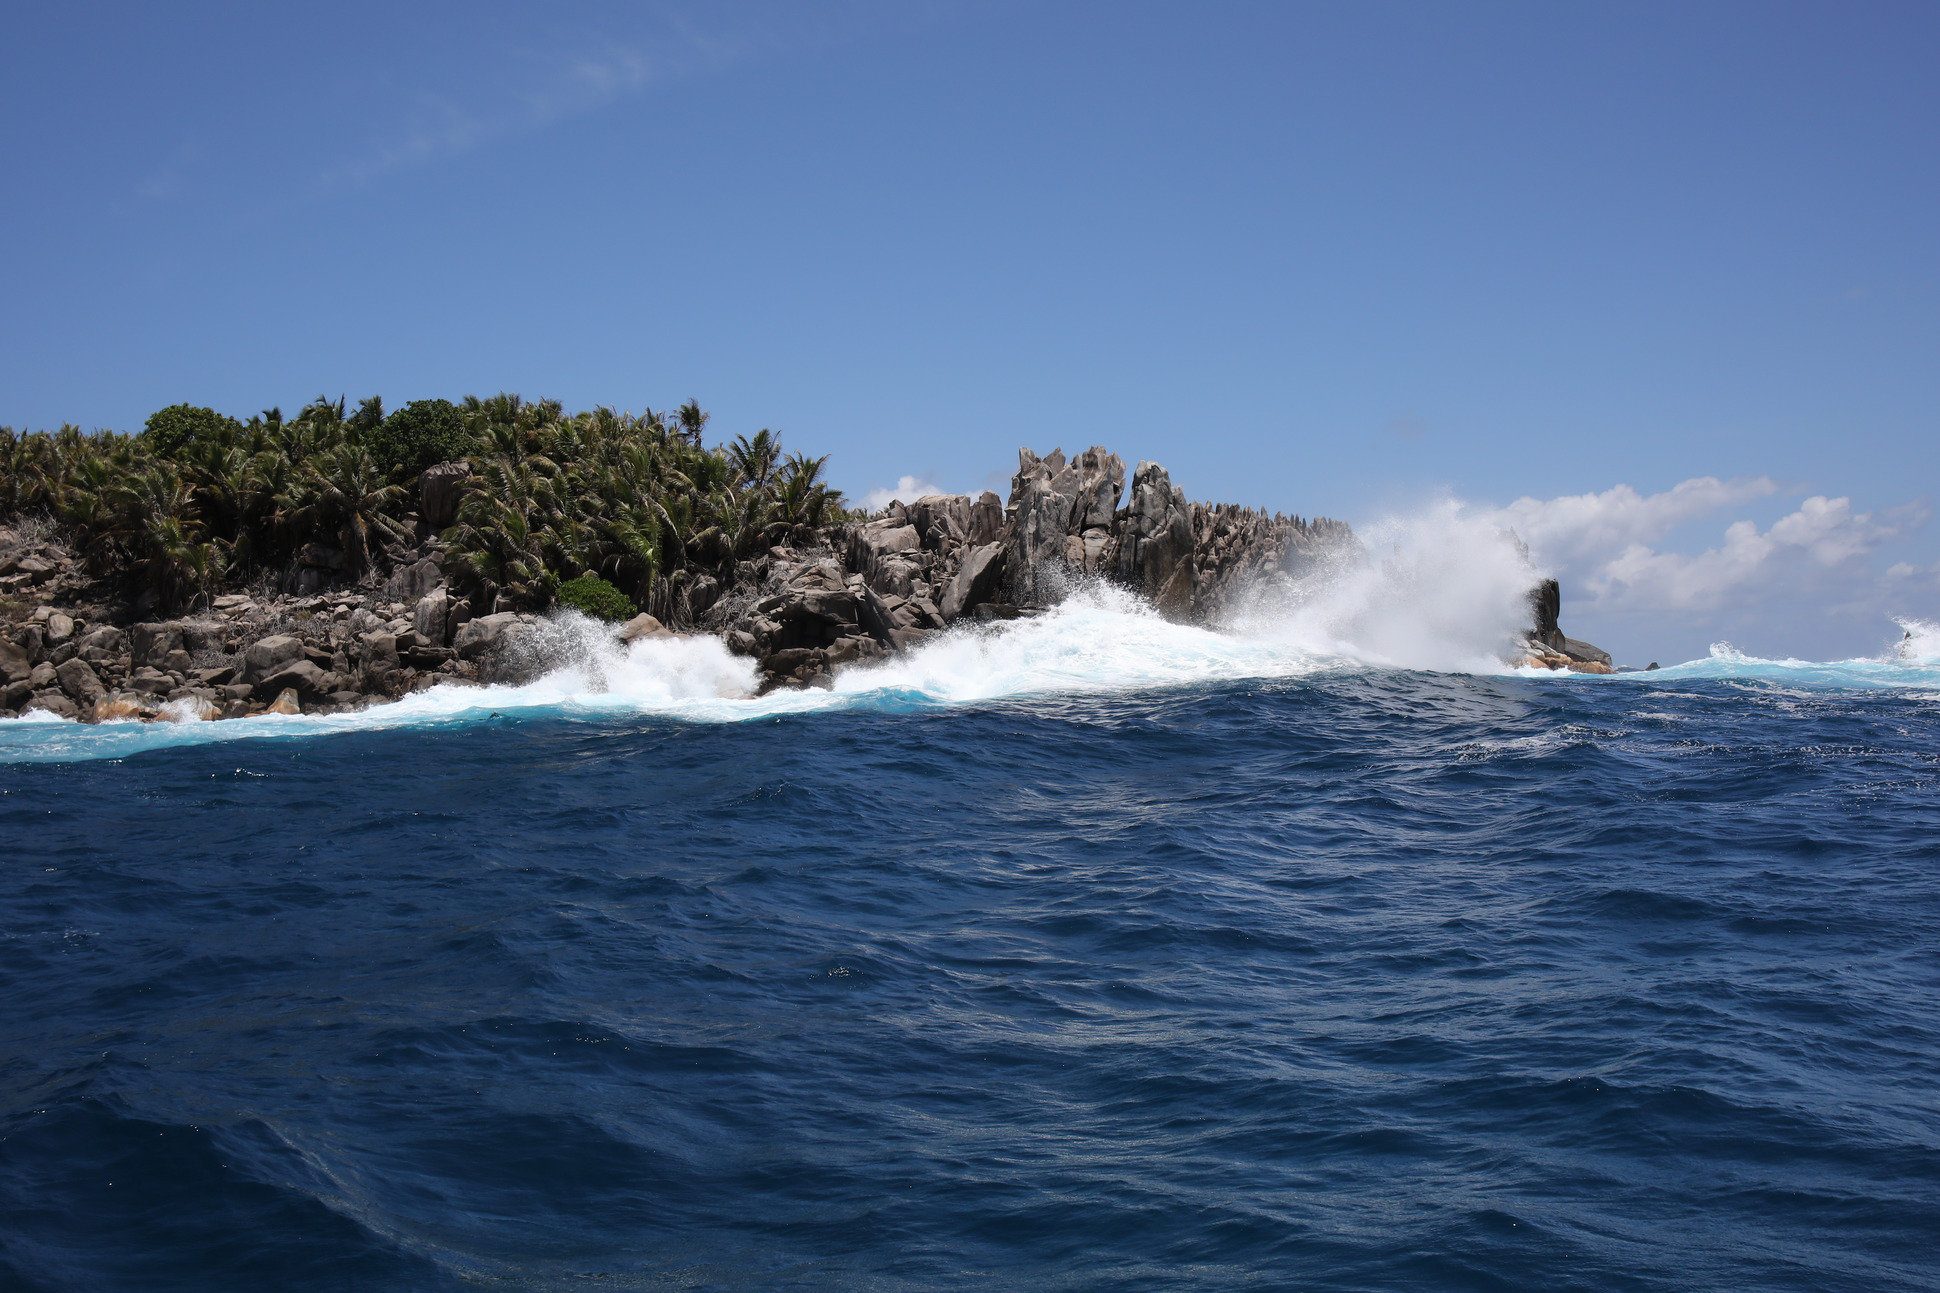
column 554, row 72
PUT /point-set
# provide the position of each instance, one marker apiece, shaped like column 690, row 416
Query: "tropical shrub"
column 597, row 598
column 421, row 433
column 174, row 428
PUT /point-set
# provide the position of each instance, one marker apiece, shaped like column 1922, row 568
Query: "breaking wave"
column 1444, row 592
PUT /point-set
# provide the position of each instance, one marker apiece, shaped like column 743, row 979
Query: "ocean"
column 1085, row 952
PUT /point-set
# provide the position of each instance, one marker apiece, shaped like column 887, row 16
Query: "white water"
column 1442, row 592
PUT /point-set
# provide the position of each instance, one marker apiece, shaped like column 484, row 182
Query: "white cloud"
column 908, row 489
column 1584, row 525
column 1818, row 558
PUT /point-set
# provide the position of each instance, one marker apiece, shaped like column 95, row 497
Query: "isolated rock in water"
column 266, row 656
column 643, row 626
column 80, row 682
column 977, row 580
column 1583, row 652
column 285, row 704
column 440, row 488
column 1545, row 607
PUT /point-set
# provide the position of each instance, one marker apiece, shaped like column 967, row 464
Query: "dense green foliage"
column 421, row 433
column 169, row 430
column 197, row 502
column 596, row 597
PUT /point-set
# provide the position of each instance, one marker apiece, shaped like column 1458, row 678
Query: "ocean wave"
column 1102, row 640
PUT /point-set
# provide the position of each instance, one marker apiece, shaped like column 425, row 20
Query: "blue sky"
column 1325, row 258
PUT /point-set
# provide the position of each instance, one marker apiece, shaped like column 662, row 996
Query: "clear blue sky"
column 1326, row 258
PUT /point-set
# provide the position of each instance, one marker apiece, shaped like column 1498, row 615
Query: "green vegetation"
column 199, row 501
column 597, row 598
column 421, row 433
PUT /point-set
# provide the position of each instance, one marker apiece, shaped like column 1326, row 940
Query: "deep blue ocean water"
column 1340, row 979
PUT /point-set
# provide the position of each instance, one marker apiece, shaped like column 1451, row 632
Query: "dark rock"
column 475, row 638
column 304, row 677
column 15, row 694
column 151, row 643
column 1583, row 652
column 15, row 663
column 1155, row 546
column 217, row 677
column 269, row 654
column 977, row 580
column 54, row 703
column 43, row 676
column 80, row 682
column 431, row 616
column 409, row 583
column 440, row 490
column 318, row 556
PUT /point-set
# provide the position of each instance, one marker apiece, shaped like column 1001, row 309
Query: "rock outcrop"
column 1548, row 646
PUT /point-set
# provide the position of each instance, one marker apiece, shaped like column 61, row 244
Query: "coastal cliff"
column 324, row 638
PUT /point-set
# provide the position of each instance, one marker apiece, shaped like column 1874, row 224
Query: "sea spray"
column 1443, row 589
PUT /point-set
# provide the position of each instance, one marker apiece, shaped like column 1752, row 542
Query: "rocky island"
column 210, row 569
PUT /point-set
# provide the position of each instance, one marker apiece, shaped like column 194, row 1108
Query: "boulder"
column 380, row 652
column 941, row 516
column 409, row 583
column 265, row 657
column 286, row 703
column 1155, row 543
column 643, row 625
column 441, row 488
column 1052, row 500
column 107, row 640
column 302, row 676
column 479, row 635
column 80, row 682
column 1583, row 652
column 124, row 705
column 148, row 643
column 872, row 547
column 43, row 676
column 15, row 663
column 52, row 702
column 16, row 694
column 59, row 628
column 986, row 520
column 977, row 580
column 430, row 614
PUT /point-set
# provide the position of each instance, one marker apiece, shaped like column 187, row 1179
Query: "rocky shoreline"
column 827, row 598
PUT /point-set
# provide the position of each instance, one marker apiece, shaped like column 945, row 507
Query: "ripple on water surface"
column 1318, row 976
